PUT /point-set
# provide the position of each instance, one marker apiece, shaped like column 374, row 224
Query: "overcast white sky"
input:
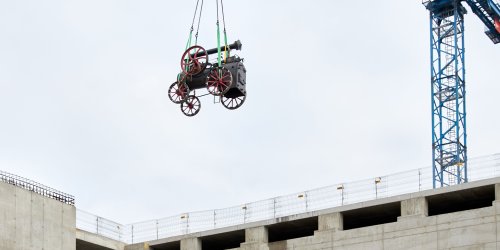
column 337, row 91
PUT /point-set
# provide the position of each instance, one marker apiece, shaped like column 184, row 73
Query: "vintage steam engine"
column 224, row 79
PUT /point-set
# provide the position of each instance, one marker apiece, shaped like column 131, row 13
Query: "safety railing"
column 36, row 187
column 98, row 225
column 327, row 197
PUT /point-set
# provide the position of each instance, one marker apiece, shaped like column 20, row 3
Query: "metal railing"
column 98, row 225
column 322, row 198
column 36, row 187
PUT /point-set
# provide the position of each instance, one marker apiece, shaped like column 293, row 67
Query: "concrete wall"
column 29, row 221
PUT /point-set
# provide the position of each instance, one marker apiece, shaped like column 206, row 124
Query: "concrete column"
column 496, row 202
column 138, row 246
column 497, row 192
column 256, row 235
column 415, row 206
column 191, row 244
column 334, row 221
column 256, row 239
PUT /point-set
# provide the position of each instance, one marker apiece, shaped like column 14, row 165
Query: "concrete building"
column 464, row 216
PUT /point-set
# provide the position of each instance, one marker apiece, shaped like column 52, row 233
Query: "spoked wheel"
column 194, row 60
column 219, row 81
column 178, row 92
column 191, row 106
column 233, row 103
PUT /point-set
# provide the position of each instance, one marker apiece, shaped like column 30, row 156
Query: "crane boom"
column 489, row 13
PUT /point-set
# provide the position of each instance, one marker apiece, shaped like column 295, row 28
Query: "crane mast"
column 449, row 137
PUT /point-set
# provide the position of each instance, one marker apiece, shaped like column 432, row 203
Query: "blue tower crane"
column 449, row 137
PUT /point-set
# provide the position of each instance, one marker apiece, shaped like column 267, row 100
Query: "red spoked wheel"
column 191, row 106
column 233, row 103
column 178, row 92
column 194, row 60
column 219, row 81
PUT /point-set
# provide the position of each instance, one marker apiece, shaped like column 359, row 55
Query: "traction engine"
column 224, row 78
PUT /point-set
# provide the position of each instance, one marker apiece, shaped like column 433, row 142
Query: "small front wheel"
column 178, row 92
column 191, row 106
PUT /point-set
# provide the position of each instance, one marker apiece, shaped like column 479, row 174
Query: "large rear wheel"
column 219, row 81
column 194, row 60
column 233, row 103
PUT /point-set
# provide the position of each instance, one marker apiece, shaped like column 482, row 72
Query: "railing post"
column 377, row 181
column 97, row 225
column 132, row 230
column 274, row 208
column 305, row 198
column 157, row 229
column 419, row 180
column 187, row 224
column 120, row 234
column 215, row 223
column 245, row 213
column 341, row 188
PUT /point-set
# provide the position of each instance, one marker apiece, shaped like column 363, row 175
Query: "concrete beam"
column 333, row 221
column 415, row 206
column 191, row 244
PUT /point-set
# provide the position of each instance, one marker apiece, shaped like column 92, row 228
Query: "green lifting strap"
column 218, row 45
column 226, row 48
column 188, row 44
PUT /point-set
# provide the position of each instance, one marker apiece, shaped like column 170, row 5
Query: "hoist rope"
column 218, row 36
column 198, row 27
column 188, row 44
column 226, row 49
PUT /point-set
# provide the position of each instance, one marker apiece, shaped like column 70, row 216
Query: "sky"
column 337, row 92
